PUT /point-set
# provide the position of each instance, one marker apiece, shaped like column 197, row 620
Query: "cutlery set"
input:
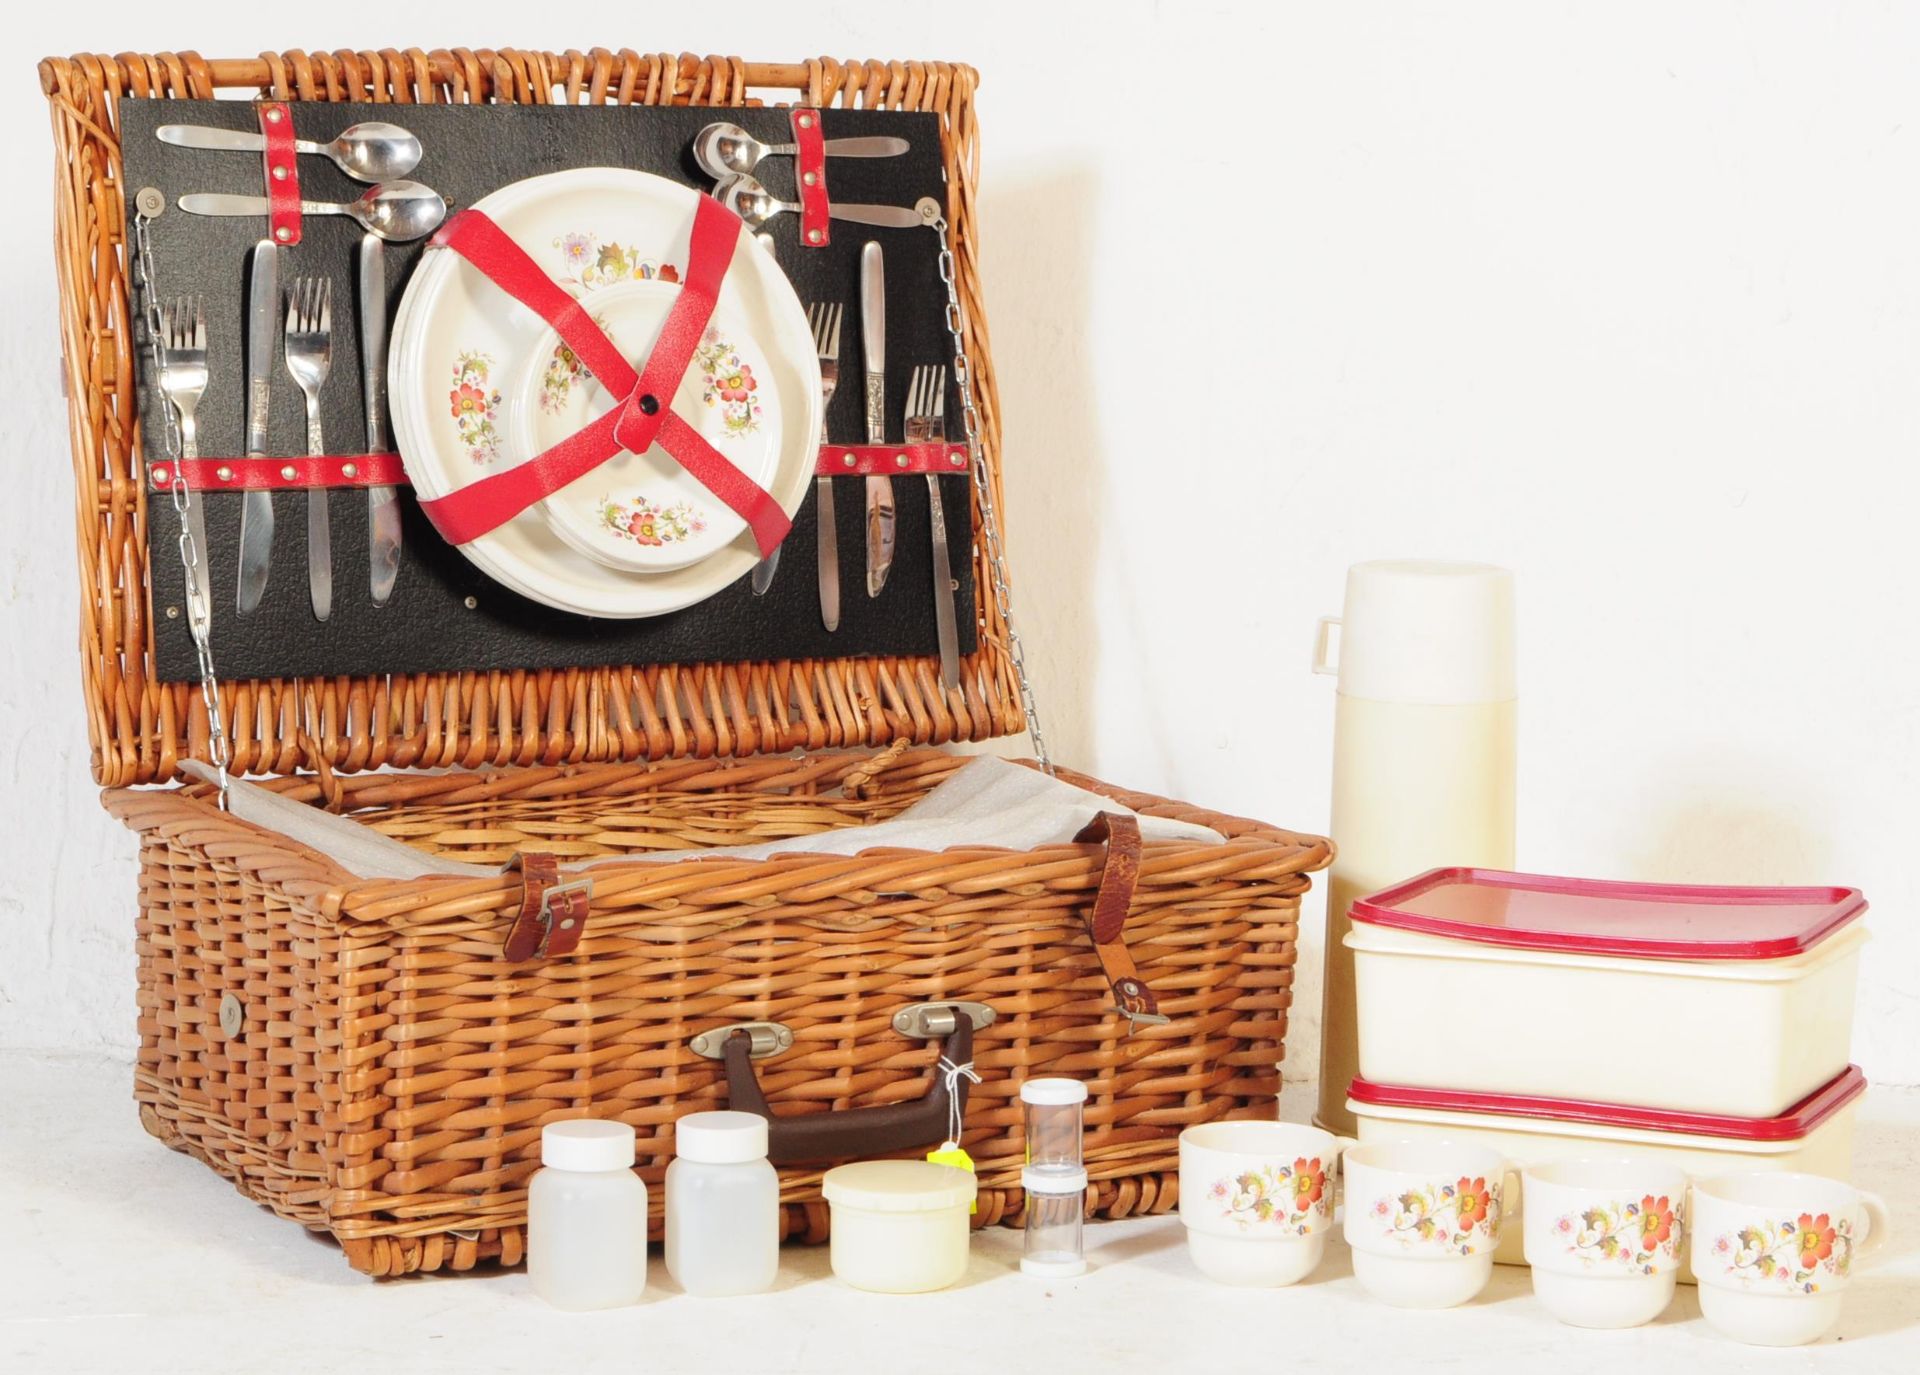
column 392, row 209
column 731, row 155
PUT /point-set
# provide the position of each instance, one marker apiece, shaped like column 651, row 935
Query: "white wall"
column 1624, row 296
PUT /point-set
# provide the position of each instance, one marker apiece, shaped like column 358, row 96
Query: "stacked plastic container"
column 1055, row 1178
column 1555, row 1018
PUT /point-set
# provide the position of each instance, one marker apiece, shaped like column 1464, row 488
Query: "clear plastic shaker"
column 1055, row 1178
column 1054, row 1108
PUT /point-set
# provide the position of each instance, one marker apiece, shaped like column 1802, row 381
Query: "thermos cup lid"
column 1425, row 631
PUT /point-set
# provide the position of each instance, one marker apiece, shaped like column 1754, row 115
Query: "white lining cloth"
column 987, row 802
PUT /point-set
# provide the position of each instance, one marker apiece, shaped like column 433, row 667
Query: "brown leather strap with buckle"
column 552, row 914
column 1106, row 920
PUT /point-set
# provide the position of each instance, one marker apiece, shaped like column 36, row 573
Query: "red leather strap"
column 810, row 179
column 1106, row 920
column 552, row 914
column 643, row 418
column 282, row 474
column 885, row 460
column 281, row 168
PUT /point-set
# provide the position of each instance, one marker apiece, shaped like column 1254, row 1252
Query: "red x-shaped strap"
column 646, row 414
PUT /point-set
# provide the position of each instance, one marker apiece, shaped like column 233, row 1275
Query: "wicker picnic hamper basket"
column 358, row 1055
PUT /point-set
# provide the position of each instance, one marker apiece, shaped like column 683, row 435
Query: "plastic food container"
column 1815, row 1136
column 898, row 1226
column 1737, row 1001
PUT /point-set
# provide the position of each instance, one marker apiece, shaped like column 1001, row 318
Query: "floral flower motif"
column 1656, row 1221
column 642, row 522
column 730, row 383
column 1816, row 1239
column 564, row 368
column 475, row 406
column 1472, row 1202
column 1309, row 1183
column 589, row 264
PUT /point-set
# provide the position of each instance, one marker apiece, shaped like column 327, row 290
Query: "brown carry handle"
column 1106, row 920
column 858, row 1133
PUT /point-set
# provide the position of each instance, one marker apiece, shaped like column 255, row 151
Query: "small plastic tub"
column 1814, row 1136
column 1736, row 1001
column 898, row 1226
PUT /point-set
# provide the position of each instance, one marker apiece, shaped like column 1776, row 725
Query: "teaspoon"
column 374, row 151
column 398, row 211
column 724, row 149
column 756, row 205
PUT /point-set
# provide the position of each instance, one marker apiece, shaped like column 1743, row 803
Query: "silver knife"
column 873, row 335
column 383, row 506
column 256, row 510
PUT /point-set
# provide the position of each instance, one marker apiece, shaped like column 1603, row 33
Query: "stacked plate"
column 480, row 384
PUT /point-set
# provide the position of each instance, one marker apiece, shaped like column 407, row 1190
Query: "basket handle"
column 858, row 1133
column 1106, row 919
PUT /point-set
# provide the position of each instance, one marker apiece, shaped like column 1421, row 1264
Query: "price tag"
column 953, row 1153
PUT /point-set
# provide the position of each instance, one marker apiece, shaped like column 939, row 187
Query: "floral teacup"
column 1257, row 1199
column 1605, row 1239
column 1773, row 1252
column 1423, row 1218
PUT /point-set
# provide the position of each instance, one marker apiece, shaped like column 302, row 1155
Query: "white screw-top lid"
column 1425, row 631
column 587, row 1145
column 1053, row 1093
column 721, row 1138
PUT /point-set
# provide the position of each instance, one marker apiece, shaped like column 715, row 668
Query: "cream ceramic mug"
column 1605, row 1238
column 1773, row 1252
column 1423, row 1218
column 1257, row 1199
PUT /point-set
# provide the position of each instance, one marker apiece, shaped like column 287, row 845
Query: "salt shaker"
column 1055, row 1178
column 723, row 1205
column 587, row 1217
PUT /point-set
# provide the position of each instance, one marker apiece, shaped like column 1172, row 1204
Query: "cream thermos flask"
column 1423, row 754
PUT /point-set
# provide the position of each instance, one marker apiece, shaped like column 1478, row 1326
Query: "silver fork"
column 926, row 423
column 309, row 356
column 183, row 378
column 825, row 319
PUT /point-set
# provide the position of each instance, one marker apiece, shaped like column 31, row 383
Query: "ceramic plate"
column 479, row 384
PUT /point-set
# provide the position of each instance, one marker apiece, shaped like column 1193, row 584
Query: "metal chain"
column 199, row 614
column 983, row 484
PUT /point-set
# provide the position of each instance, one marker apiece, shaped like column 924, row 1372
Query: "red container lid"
column 1796, row 1122
column 1597, row 917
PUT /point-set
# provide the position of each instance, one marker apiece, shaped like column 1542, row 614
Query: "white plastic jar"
column 723, row 1205
column 898, row 1226
column 587, row 1217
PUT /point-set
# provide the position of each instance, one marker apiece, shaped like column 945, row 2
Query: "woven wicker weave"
column 392, row 1073
column 141, row 728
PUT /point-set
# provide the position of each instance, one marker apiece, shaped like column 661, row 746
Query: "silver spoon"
column 724, row 149
column 756, row 205
column 374, row 151
column 398, row 211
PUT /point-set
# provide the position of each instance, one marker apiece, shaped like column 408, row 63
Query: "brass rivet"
column 173, row 613
column 957, row 459
column 279, row 174
column 233, row 1017
column 472, row 602
column 806, row 121
column 283, row 233
column 289, row 472
column 815, row 236
column 273, row 114
column 567, row 925
column 159, row 474
column 809, row 179
column 849, row 460
column 899, row 460
column 224, row 473
column 350, row 470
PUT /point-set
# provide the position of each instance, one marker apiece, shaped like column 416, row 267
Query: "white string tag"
column 950, row 1151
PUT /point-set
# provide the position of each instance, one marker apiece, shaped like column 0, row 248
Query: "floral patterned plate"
column 479, row 384
column 643, row 512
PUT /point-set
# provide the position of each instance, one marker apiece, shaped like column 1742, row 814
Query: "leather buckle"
column 566, row 902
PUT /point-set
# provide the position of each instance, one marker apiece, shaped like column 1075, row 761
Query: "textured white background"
column 1624, row 296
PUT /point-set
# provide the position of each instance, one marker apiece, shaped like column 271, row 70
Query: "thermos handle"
column 1321, row 643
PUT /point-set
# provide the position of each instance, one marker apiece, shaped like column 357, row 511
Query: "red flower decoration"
column 668, row 273
column 1815, row 1239
column 1309, row 1183
column 1656, row 1221
column 736, row 385
column 641, row 526
column 468, row 399
column 1471, row 1200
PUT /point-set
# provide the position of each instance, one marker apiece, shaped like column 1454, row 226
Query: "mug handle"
column 1341, row 1145
column 1321, row 639
column 1879, row 1226
column 1509, row 1193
